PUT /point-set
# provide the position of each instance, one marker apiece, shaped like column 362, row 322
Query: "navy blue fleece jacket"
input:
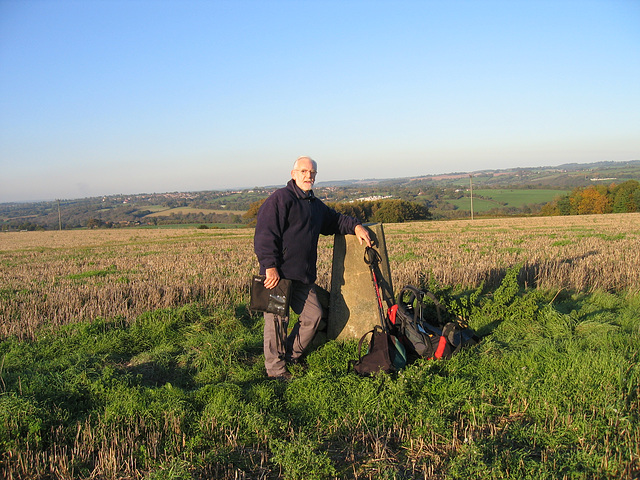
column 287, row 230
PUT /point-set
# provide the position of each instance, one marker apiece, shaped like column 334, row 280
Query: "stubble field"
column 54, row 278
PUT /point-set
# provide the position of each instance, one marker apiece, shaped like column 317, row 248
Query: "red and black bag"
column 424, row 334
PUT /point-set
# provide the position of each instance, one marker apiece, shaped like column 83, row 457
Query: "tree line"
column 383, row 211
column 596, row 199
column 377, row 211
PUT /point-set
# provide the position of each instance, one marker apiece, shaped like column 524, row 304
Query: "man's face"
column 304, row 174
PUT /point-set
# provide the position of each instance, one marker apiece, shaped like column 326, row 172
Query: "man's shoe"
column 285, row 377
column 297, row 361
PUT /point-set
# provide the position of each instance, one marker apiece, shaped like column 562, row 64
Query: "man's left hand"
column 363, row 235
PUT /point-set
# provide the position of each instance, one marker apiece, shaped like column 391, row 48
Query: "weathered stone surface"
column 353, row 306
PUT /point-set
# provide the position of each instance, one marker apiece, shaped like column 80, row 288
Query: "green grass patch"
column 403, row 257
column 94, row 273
column 562, row 243
column 551, row 391
column 519, row 197
column 479, row 205
column 487, row 199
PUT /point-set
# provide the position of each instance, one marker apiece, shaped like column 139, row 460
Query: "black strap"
column 281, row 332
column 371, row 256
column 418, row 295
column 449, row 332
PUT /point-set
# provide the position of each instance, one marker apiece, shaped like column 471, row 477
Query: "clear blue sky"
column 130, row 96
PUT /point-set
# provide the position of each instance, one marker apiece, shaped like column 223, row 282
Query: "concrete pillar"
column 353, row 305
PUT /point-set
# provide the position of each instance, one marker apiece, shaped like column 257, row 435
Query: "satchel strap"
column 362, row 339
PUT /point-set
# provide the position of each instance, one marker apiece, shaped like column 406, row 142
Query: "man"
column 286, row 243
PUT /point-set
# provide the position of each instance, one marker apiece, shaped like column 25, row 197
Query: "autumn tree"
column 596, row 199
column 593, row 200
column 252, row 212
column 626, row 197
column 95, row 223
column 398, row 211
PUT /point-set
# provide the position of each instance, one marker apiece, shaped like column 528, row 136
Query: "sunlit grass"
column 551, row 391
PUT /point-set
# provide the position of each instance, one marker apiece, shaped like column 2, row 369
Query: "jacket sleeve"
column 267, row 241
column 338, row 223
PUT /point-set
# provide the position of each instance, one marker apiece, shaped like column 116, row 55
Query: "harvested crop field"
column 55, row 278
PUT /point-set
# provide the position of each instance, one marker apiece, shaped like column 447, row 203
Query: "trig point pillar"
column 353, row 307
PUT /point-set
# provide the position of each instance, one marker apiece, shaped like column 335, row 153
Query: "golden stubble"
column 54, row 278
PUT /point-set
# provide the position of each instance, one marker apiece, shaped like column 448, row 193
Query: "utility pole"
column 59, row 217
column 471, row 190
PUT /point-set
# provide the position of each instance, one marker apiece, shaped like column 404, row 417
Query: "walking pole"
column 372, row 258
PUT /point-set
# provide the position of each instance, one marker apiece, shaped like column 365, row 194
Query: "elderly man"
column 286, row 244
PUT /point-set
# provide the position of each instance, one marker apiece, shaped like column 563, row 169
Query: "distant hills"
column 569, row 175
column 514, row 191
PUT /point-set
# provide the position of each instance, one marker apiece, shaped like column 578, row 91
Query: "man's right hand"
column 272, row 278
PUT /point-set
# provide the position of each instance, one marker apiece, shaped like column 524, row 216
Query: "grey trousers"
column 280, row 348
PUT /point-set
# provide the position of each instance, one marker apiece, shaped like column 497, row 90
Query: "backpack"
column 422, row 334
column 385, row 354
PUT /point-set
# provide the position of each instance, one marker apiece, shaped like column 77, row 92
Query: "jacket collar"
column 301, row 194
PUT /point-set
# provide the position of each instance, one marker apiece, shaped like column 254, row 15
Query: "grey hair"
column 304, row 157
